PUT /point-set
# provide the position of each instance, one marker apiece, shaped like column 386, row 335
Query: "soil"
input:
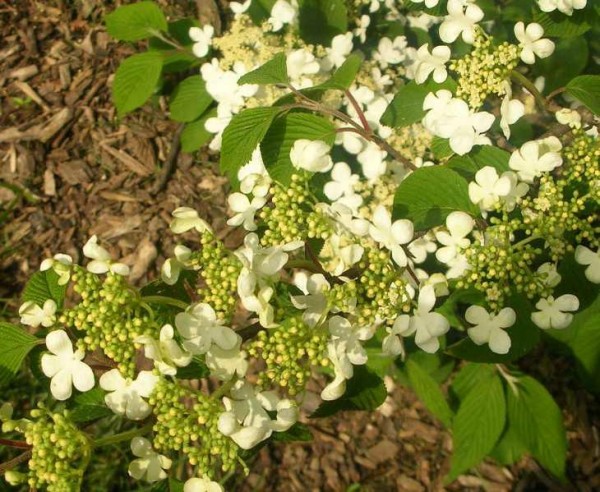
column 75, row 169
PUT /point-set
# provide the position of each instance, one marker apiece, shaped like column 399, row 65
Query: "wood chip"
column 382, row 451
column 26, row 89
column 129, row 162
column 24, row 73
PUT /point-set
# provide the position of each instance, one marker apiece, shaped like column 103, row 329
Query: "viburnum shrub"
column 418, row 186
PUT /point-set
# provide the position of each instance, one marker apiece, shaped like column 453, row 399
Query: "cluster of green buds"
column 187, row 422
column 60, row 451
column 485, row 69
column 290, row 351
column 110, row 315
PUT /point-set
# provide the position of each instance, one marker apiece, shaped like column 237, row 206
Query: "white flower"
column 186, row 219
column 421, row 247
column 428, row 3
column 239, row 8
column 341, row 47
column 126, row 396
column 341, row 187
column 488, row 188
column 390, row 52
column 462, row 19
column 549, row 275
column 490, row 327
column 282, row 13
column 202, row 37
column 361, row 31
column 392, row 344
column 347, row 338
column 299, row 63
column 225, row 364
column 61, row 264
column 172, row 267
column 65, row 367
column 343, row 371
column 201, row 328
column 564, row 6
column 203, row 484
column 517, row 190
column 165, row 352
column 253, row 177
column 312, row 155
column 531, row 42
column 244, row 210
column 585, row 256
column 459, row 226
column 314, row 300
column 150, row 466
column 223, row 86
column 339, row 253
column 247, row 420
column 372, row 161
column 101, row 260
column 33, row 315
column 510, row 110
column 426, row 326
column 570, row 117
column 535, row 158
column 552, row 312
column 426, row 63
column 391, row 236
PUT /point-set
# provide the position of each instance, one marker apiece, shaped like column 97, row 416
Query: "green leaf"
column 365, row 391
column 407, row 106
column 260, row 10
column 457, row 302
column 14, row 347
column 538, row 421
column 90, row 406
column 189, row 99
column 296, row 433
column 482, row 156
column 524, row 336
column 196, row 369
column 469, row 377
column 586, row 89
column 272, row 72
column 137, row 21
column 429, row 194
column 429, row 392
column 283, row 132
column 243, row 134
column 195, row 134
column 321, row 20
column 478, row 425
column 135, row 80
column 509, row 448
column 343, row 77
column 42, row 286
column 557, row 24
column 440, row 148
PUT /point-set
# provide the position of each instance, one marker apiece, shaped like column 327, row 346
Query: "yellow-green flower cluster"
column 60, row 452
column 110, row 315
column 290, row 351
column 186, row 422
column 484, row 70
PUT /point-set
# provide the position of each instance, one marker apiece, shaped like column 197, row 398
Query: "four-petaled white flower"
column 339, row 253
column 225, row 364
column 101, row 260
column 391, row 235
column 341, row 187
column 570, row 117
column 65, row 367
column 253, row 177
column 428, row 3
column 341, row 47
column 488, row 188
column 548, row 274
column 314, row 300
column 201, row 328
column 553, row 313
column 348, row 336
column 150, row 466
column 585, row 256
column 126, row 396
column 390, row 52
column 61, row 264
column 185, row 219
column 203, row 484
column 392, row 343
column 535, row 158
column 426, row 326
column 462, row 20
column 361, row 30
column 202, row 38
column 531, row 42
column 244, row 210
column 282, row 13
column 489, row 327
column 172, row 267
column 34, row 315
column 165, row 352
column 300, row 63
column 459, row 225
column 246, row 419
column 564, row 6
column 421, row 247
column 312, row 155
column 425, row 63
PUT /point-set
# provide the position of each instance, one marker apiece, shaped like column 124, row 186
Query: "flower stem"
column 169, row 301
column 123, row 436
column 530, row 86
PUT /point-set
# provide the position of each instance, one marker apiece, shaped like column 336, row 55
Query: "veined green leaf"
column 272, row 72
column 42, row 286
column 136, row 21
column 430, row 392
column 136, row 80
column 586, row 89
column 14, row 346
column 189, row 99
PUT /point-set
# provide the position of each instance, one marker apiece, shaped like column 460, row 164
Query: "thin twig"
column 359, row 111
column 14, row 444
column 169, row 166
column 9, row 465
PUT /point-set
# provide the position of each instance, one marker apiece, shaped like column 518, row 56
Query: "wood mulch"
column 82, row 171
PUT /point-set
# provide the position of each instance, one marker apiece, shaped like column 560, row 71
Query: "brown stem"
column 14, row 444
column 555, row 93
column 359, row 111
column 9, row 465
column 169, row 166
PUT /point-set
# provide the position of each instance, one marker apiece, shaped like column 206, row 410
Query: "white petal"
column 83, row 377
column 59, row 343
